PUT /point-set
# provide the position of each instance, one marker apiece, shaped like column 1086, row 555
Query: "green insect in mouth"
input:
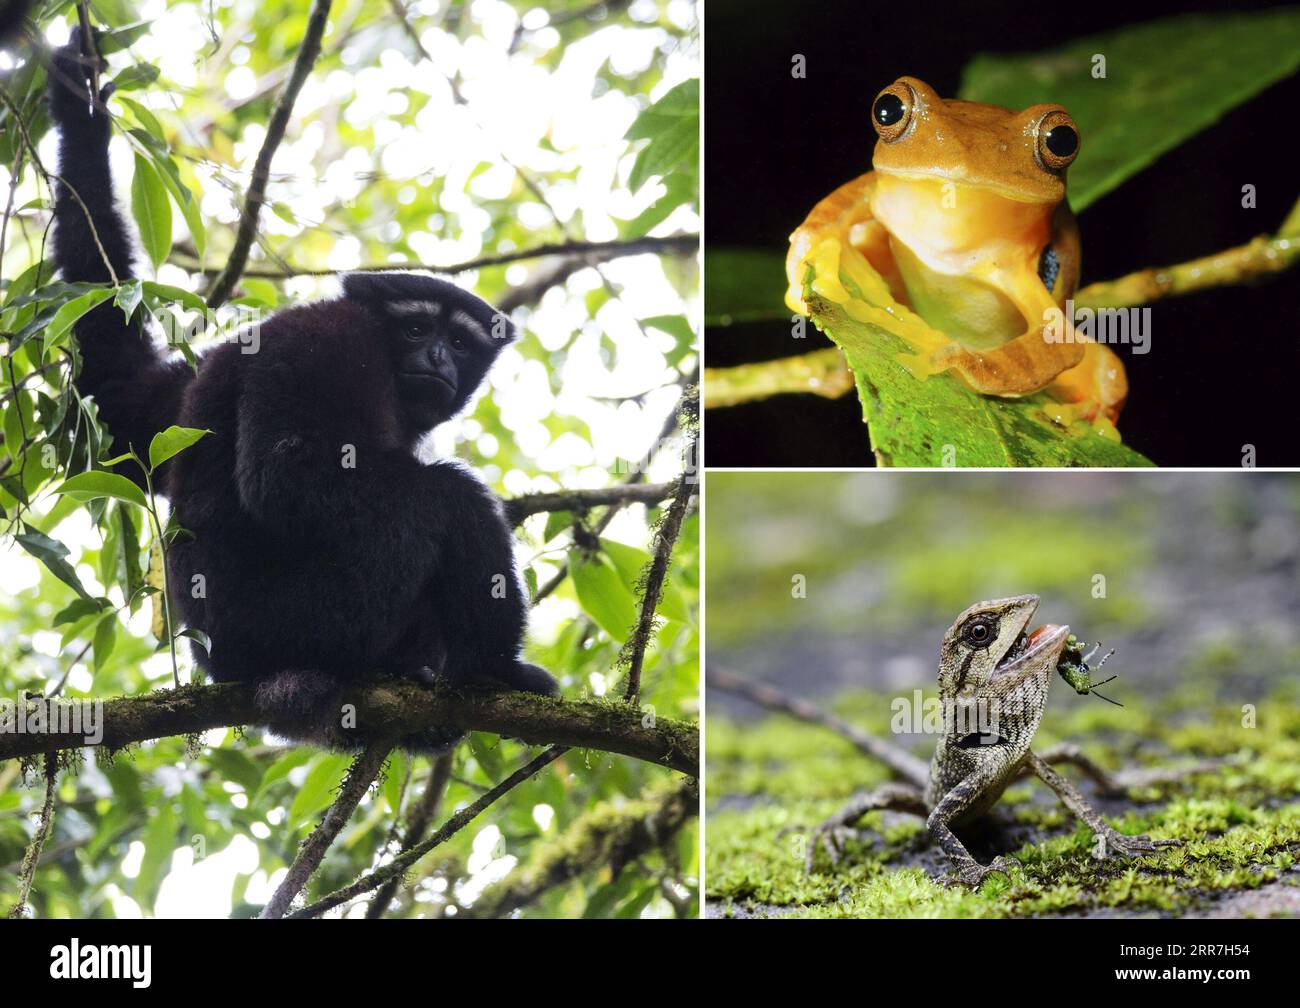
column 1074, row 668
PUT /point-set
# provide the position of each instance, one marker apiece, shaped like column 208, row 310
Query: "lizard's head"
column 987, row 653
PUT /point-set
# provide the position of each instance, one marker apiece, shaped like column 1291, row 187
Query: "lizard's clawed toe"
column 973, row 875
column 1132, row 846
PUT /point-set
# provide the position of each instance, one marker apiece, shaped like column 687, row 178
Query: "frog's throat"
column 973, row 182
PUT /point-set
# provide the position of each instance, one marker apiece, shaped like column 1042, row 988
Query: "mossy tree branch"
column 387, row 708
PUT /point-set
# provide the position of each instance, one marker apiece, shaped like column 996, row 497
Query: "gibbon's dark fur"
column 305, row 573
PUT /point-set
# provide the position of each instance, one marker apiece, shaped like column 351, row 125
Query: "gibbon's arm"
column 137, row 391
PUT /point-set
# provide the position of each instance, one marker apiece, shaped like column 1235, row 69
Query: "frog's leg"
column 845, row 216
column 1031, row 360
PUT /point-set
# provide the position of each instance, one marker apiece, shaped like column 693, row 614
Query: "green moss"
column 1239, row 825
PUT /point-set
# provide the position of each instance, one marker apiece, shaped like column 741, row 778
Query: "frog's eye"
column 891, row 113
column 1058, row 140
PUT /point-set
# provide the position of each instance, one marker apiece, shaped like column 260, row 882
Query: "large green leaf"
column 604, row 594
column 1165, row 82
column 938, row 421
column 172, row 441
column 151, row 209
column 53, row 554
column 90, row 486
column 672, row 125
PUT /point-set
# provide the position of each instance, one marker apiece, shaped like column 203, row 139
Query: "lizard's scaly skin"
column 993, row 682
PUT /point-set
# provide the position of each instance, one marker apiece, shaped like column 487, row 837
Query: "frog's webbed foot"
column 972, row 874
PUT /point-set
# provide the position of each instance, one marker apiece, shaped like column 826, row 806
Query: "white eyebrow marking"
column 410, row 307
column 465, row 321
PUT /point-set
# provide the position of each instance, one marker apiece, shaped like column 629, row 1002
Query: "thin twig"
column 606, row 249
column 902, row 763
column 519, row 508
column 308, row 50
column 33, row 855
column 399, row 864
column 365, row 768
column 416, row 827
column 821, row 372
column 665, row 541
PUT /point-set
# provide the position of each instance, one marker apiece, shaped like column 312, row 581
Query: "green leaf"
column 152, row 210
column 557, row 522
column 198, row 637
column 282, row 767
column 631, row 563
column 135, row 77
column 145, row 117
column 672, row 125
column 603, row 593
column 51, row 553
column 938, row 421
column 317, row 790
column 176, row 295
column 64, row 319
column 111, row 40
column 1165, row 82
column 180, row 192
column 744, row 285
column 159, row 844
column 171, row 442
column 676, row 326
column 89, row 486
column 236, row 765
column 77, row 609
column 487, row 751
column 105, row 639
column 679, row 190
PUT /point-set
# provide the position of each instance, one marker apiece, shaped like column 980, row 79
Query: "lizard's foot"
column 973, row 874
column 1116, row 843
column 832, row 836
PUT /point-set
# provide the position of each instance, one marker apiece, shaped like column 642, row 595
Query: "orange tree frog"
column 966, row 221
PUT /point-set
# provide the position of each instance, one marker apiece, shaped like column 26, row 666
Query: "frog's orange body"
column 965, row 218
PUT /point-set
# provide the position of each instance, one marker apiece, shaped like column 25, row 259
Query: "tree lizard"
column 993, row 681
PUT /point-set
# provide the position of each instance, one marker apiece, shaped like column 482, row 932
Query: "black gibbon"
column 322, row 552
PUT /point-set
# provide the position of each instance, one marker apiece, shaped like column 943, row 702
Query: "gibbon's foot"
column 534, row 679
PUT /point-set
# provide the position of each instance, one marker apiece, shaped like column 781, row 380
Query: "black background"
column 775, row 145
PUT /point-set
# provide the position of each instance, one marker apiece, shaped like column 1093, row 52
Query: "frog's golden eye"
column 891, row 112
column 1058, row 140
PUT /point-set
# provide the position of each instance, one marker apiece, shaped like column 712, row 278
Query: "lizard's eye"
column 980, row 632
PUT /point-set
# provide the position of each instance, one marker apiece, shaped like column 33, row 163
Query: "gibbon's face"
column 441, row 355
column 443, row 341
